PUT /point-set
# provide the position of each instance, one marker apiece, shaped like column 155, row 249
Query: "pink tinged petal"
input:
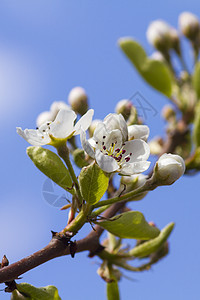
column 140, row 150
column 34, row 137
column 138, row 132
column 134, row 168
column 84, row 121
column 63, row 126
column 86, row 145
column 115, row 138
column 105, row 162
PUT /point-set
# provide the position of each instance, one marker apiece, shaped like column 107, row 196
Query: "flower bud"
column 93, row 126
column 168, row 113
column 56, row 106
column 78, row 100
column 189, row 25
column 168, row 169
column 158, row 56
column 44, row 117
column 175, row 41
column 158, row 35
column 156, row 146
column 124, row 107
column 134, row 182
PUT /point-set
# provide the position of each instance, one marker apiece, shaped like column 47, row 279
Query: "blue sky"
column 46, row 48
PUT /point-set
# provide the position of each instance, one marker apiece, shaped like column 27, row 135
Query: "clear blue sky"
column 46, row 48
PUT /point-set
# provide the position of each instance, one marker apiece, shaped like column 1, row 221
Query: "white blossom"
column 138, row 132
column 61, row 129
column 169, row 168
column 112, row 150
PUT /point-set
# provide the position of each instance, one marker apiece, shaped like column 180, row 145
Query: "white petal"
column 114, row 137
column 34, row 137
column 140, row 150
column 86, row 145
column 105, row 162
column 63, row 126
column 134, row 168
column 138, row 132
column 99, row 133
column 84, row 121
column 115, row 121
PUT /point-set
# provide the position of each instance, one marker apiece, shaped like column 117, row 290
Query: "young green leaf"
column 155, row 72
column 93, row 182
column 44, row 293
column 130, row 225
column 196, row 130
column 153, row 245
column 113, row 291
column 51, row 165
column 196, row 79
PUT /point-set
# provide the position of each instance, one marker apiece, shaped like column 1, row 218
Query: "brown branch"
column 56, row 248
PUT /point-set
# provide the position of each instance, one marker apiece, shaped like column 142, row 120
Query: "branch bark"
column 56, row 248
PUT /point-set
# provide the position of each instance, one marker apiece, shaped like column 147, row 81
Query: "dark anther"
column 37, row 128
column 104, row 147
column 123, row 151
column 104, row 137
column 127, row 159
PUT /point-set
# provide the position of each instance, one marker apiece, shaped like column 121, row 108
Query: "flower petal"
column 105, row 162
column 140, row 150
column 63, row 126
column 99, row 133
column 86, row 145
column 115, row 121
column 113, row 138
column 34, row 137
column 84, row 121
column 134, row 168
column 138, row 132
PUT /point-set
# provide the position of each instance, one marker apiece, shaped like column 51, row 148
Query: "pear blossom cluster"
column 114, row 146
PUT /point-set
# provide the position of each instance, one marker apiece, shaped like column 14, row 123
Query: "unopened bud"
column 134, row 182
column 156, row 146
column 93, row 126
column 168, row 169
column 51, row 115
column 157, row 55
column 168, row 113
column 4, row 262
column 124, row 107
column 189, row 25
column 79, row 158
column 175, row 41
column 158, row 35
column 44, row 117
column 78, row 100
column 56, row 106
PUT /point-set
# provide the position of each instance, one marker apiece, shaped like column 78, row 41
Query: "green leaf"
column 155, row 72
column 93, row 182
column 49, row 292
column 51, row 165
column 153, row 245
column 196, row 130
column 113, row 291
column 131, row 225
column 196, row 79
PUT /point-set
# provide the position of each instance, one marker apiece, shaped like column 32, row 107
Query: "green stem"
column 149, row 185
column 63, row 152
column 79, row 221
